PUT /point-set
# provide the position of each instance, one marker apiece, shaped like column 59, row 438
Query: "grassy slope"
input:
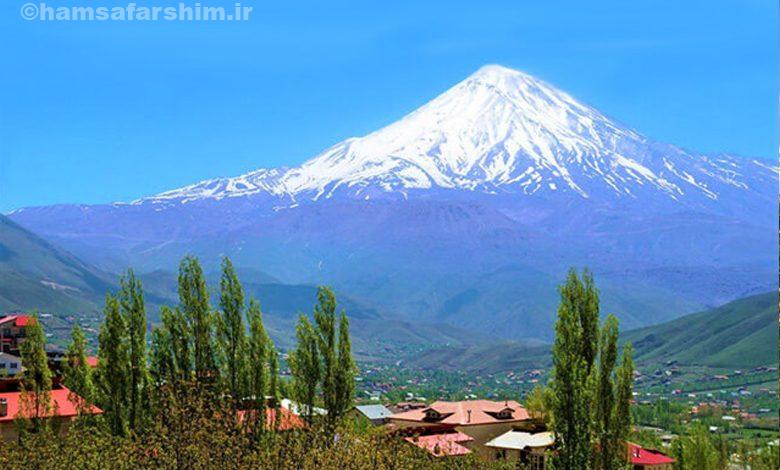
column 742, row 333
column 35, row 275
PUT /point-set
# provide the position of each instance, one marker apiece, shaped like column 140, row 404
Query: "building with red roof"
column 64, row 408
column 287, row 420
column 444, row 443
column 13, row 330
column 482, row 420
column 647, row 459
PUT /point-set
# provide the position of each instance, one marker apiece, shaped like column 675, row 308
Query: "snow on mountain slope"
column 499, row 130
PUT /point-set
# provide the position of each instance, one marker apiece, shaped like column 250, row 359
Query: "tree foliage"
column 588, row 401
column 35, row 401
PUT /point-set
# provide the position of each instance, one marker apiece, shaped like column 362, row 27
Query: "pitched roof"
column 61, row 398
column 374, row 411
column 287, row 419
column 464, row 413
column 24, row 320
column 18, row 320
column 641, row 456
column 442, row 443
column 519, row 440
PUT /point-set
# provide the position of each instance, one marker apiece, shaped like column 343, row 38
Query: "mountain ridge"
column 468, row 210
column 498, row 130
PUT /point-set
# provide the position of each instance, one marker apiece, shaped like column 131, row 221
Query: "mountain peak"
column 499, row 130
column 496, row 71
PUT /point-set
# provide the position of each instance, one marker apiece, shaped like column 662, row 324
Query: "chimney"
column 3, row 407
column 468, row 416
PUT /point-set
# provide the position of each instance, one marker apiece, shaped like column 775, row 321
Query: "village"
column 493, row 429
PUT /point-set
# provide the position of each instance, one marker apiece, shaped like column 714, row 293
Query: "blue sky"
column 101, row 112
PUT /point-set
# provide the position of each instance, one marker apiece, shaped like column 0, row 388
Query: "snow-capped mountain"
column 468, row 211
column 499, row 130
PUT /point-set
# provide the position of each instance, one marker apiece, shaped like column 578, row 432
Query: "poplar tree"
column 325, row 322
column 161, row 363
column 77, row 373
column 36, row 404
column 606, row 431
column 258, row 352
column 588, row 401
column 624, row 395
column 273, row 386
column 588, row 310
column 571, row 395
column 194, row 304
column 345, row 370
column 180, row 342
column 305, row 366
column 113, row 365
column 131, row 299
column 231, row 328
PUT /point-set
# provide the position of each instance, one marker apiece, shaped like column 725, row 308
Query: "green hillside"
column 742, row 333
column 35, row 275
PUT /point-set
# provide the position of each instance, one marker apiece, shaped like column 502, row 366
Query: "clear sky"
column 106, row 111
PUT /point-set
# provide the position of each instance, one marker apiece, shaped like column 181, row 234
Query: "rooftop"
column 287, row 419
column 18, row 320
column 65, row 404
column 470, row 412
column 519, row 440
column 641, row 456
column 374, row 411
column 442, row 443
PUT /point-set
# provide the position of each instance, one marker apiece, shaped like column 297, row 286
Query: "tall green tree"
column 257, row 359
column 325, row 322
column 571, row 393
column 231, row 328
column 36, row 404
column 588, row 401
column 113, row 367
column 624, row 394
column 696, row 451
column 604, row 423
column 305, row 367
column 133, row 307
column 194, row 304
column 161, row 363
column 345, row 370
column 273, row 385
column 77, row 373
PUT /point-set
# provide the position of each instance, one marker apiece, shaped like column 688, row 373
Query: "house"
column 437, row 440
column 376, row 414
column 648, row 459
column 13, row 331
column 10, row 365
column 285, row 420
column 528, row 448
column 300, row 409
column 406, row 406
column 482, row 420
column 64, row 409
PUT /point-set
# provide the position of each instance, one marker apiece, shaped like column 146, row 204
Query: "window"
column 14, row 365
column 536, row 461
column 506, row 413
column 2, row 365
